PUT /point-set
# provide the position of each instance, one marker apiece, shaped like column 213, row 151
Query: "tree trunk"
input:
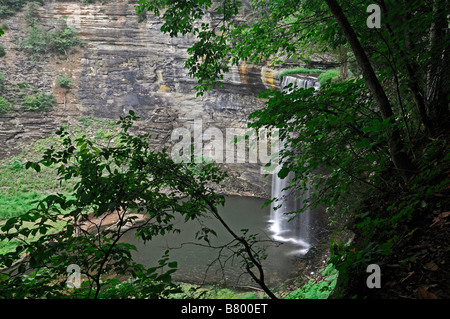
column 400, row 159
column 343, row 62
column 438, row 78
column 411, row 66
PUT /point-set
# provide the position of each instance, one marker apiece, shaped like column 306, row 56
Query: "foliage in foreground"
column 113, row 180
column 21, row 187
column 319, row 290
column 345, row 159
column 117, row 181
column 367, row 148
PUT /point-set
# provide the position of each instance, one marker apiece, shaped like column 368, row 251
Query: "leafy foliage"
column 337, row 140
column 12, row 205
column 5, row 105
column 38, row 102
column 10, row 7
column 343, row 141
column 329, row 75
column 2, row 81
column 319, row 290
column 231, row 39
column 210, row 55
column 111, row 180
column 384, row 221
column 351, row 141
column 20, row 188
column 146, row 283
column 40, row 42
column 64, row 82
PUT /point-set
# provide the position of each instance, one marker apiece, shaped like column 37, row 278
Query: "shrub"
column 320, row 290
column 38, row 102
column 5, row 105
column 5, row 11
column 329, row 75
column 37, row 42
column 9, row 7
column 22, row 85
column 2, row 81
column 32, row 14
column 2, row 51
column 64, row 38
column 40, row 42
column 65, row 82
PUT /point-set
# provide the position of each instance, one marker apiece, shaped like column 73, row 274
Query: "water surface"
column 199, row 264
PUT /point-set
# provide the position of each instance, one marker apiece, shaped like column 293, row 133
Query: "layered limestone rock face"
column 129, row 65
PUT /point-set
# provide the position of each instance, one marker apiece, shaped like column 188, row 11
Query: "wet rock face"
column 126, row 65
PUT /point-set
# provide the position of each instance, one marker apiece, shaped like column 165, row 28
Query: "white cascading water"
column 291, row 228
column 305, row 82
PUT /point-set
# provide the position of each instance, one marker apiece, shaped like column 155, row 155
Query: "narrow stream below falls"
column 196, row 263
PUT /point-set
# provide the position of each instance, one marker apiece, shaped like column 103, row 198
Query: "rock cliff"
column 127, row 65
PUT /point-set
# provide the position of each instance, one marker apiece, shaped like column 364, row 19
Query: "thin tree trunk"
column 400, row 159
column 260, row 280
column 411, row 67
column 437, row 77
column 343, row 62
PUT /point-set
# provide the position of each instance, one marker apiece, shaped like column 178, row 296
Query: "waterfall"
column 291, row 228
column 305, row 82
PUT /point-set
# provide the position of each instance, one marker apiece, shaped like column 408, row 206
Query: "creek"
column 198, row 264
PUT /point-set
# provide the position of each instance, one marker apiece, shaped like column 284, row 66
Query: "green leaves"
column 317, row 290
column 332, row 129
column 33, row 165
column 38, row 102
column 64, row 82
column 113, row 181
column 209, row 56
column 39, row 43
column 284, row 171
column 269, row 28
column 179, row 16
column 338, row 140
